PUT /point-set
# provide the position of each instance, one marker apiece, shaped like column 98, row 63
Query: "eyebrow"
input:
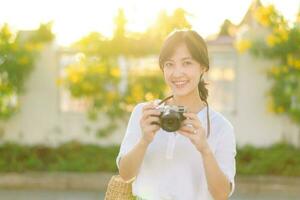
column 185, row 58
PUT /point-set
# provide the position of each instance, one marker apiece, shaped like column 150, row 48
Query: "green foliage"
column 279, row 159
column 227, row 28
column 98, row 83
column 97, row 77
column 17, row 56
column 71, row 156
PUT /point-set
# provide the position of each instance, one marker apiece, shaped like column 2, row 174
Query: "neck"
column 193, row 102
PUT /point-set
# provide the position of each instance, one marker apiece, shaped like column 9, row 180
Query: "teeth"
column 179, row 82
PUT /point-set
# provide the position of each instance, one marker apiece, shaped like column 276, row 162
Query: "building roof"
column 227, row 37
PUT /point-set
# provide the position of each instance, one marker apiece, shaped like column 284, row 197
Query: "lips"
column 180, row 84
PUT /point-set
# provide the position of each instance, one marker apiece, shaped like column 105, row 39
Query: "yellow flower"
column 38, row 46
column 6, row 30
column 290, row 59
column 87, row 87
column 129, row 99
column 29, row 46
column 275, row 70
column 282, row 33
column 81, row 69
column 243, row 45
column 115, row 72
column 298, row 18
column 74, row 78
column 280, row 109
column 98, row 69
column 14, row 47
column 111, row 96
column 297, row 64
column 73, row 75
column 285, row 69
column 272, row 40
column 263, row 15
column 23, row 60
column 137, row 92
column 149, row 96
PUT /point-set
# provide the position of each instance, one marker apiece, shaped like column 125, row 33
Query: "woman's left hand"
column 193, row 129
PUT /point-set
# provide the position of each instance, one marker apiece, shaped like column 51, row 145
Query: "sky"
column 75, row 19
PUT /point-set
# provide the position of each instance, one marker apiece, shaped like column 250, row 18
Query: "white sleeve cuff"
column 232, row 187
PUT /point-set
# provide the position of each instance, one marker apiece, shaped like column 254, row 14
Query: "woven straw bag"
column 118, row 189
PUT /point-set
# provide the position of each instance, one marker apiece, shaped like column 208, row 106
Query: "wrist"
column 144, row 142
column 205, row 150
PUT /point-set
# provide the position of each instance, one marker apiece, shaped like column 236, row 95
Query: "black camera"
column 171, row 117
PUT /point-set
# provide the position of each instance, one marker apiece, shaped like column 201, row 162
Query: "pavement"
column 98, row 182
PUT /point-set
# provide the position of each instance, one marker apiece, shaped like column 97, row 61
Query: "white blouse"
column 172, row 167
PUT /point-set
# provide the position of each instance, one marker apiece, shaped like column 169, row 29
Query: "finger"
column 149, row 105
column 152, row 119
column 190, row 115
column 187, row 129
column 187, row 121
column 149, row 113
column 152, row 112
column 152, row 128
column 184, row 133
column 194, row 123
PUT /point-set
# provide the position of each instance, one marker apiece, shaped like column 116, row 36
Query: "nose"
column 177, row 71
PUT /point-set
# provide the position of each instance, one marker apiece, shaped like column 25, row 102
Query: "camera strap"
column 207, row 113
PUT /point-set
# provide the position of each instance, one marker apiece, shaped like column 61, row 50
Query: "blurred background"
column 71, row 73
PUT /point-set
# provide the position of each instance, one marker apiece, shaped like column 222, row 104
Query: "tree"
column 97, row 76
column 17, row 56
column 281, row 43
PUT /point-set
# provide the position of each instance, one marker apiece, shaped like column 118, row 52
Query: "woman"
column 195, row 162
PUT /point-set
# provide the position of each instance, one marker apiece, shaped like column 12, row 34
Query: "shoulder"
column 220, row 123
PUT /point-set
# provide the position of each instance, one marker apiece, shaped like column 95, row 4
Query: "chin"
column 181, row 93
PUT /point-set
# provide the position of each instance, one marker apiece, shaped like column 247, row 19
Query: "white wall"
column 253, row 123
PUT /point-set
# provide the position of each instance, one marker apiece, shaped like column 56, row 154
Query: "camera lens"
column 170, row 121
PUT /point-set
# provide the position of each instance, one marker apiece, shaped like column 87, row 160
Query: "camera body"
column 171, row 117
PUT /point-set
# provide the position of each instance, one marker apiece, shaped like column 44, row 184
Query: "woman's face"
column 182, row 72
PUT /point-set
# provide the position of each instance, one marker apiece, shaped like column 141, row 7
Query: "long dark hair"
column 198, row 50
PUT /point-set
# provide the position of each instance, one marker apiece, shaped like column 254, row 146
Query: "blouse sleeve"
column 132, row 134
column 226, row 152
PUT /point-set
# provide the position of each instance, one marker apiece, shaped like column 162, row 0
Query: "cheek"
column 194, row 75
column 166, row 77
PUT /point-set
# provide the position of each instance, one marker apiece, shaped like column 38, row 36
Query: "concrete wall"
column 253, row 123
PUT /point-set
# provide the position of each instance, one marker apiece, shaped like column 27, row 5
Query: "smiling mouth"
column 180, row 84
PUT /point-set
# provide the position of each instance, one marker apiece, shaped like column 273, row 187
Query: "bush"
column 278, row 159
column 71, row 156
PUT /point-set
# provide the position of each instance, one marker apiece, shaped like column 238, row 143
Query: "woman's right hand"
column 149, row 116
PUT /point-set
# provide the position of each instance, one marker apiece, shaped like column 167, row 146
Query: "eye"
column 187, row 63
column 168, row 64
